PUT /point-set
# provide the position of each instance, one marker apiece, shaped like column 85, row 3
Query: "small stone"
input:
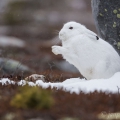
column 111, row 116
column 9, row 116
column 13, row 67
column 6, row 41
column 35, row 77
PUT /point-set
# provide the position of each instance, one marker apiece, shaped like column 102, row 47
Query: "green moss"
column 118, row 15
column 14, row 14
column 32, row 97
column 115, row 11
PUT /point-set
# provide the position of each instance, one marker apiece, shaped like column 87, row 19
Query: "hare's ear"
column 97, row 37
column 92, row 35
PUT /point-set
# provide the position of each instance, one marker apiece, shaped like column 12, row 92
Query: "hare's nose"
column 61, row 33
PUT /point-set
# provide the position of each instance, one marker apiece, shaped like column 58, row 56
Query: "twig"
column 118, row 90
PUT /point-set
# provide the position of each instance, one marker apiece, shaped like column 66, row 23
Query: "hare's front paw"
column 56, row 50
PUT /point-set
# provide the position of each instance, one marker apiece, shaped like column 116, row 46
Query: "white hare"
column 91, row 55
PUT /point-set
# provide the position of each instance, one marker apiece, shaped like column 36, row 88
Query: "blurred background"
column 28, row 29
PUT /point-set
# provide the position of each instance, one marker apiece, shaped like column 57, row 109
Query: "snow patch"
column 76, row 84
column 6, row 81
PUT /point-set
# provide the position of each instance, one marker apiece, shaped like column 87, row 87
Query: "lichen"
column 115, row 11
column 114, row 25
column 105, row 10
column 101, row 14
column 118, row 45
column 118, row 15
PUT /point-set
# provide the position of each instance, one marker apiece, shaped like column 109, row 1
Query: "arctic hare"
column 91, row 55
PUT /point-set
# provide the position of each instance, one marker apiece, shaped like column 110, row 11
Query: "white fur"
column 94, row 58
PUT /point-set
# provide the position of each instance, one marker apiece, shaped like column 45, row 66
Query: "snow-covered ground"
column 76, row 84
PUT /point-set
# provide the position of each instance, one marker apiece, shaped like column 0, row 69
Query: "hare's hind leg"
column 100, row 70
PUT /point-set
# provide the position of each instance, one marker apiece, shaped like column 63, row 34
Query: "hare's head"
column 71, row 29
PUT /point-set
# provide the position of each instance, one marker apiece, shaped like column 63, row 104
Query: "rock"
column 12, row 67
column 35, row 77
column 4, row 30
column 65, row 66
column 112, row 116
column 10, row 116
column 6, row 41
column 107, row 20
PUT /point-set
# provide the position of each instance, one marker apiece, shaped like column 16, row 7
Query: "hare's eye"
column 70, row 27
